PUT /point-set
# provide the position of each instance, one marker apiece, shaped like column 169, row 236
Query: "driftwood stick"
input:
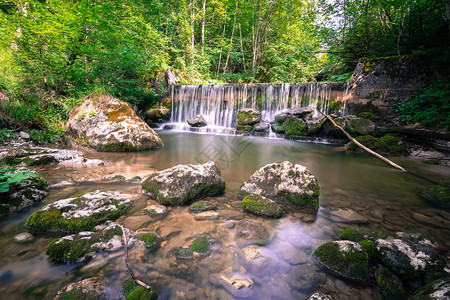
column 380, row 157
column 125, row 242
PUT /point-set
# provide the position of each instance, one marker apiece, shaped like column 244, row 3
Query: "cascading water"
column 219, row 104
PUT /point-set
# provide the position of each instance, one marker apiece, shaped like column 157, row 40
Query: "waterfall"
column 219, row 104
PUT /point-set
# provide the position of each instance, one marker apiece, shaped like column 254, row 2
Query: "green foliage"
column 430, row 107
column 9, row 176
column 341, row 77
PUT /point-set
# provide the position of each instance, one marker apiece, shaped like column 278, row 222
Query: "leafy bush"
column 341, row 77
column 430, row 107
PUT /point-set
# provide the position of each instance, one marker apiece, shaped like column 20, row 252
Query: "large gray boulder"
column 354, row 125
column 185, row 183
column 108, row 124
column 436, row 290
column 407, row 258
column 20, row 188
column 248, row 116
column 285, row 183
column 78, row 213
column 197, row 121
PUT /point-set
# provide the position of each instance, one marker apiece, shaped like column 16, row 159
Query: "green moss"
column 69, row 251
column 261, row 206
column 198, row 205
column 133, row 291
column 384, row 145
column 350, row 264
column 369, row 247
column 295, row 126
column 389, row 285
column 118, row 147
column 432, row 162
column 244, row 128
column 438, row 195
column 79, row 293
column 201, row 245
column 148, row 238
column 110, row 233
column 301, row 200
column 358, row 234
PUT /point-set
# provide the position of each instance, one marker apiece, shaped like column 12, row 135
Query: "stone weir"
column 219, row 104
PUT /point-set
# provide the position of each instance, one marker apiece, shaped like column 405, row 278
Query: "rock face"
column 261, row 206
column 437, row 195
column 20, row 188
column 248, row 116
column 79, row 213
column 345, row 259
column 184, row 183
column 90, row 288
column 294, row 121
column 436, row 290
column 285, row 183
column 107, row 124
column 408, row 259
column 78, row 247
column 197, row 121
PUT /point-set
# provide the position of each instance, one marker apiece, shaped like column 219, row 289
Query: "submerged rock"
column 384, row 145
column 131, row 290
column 150, row 240
column 358, row 234
column 284, row 182
column 345, row 259
column 408, row 259
column 248, row 116
column 238, row 285
column 201, row 207
column 437, row 195
column 156, row 210
column 344, row 215
column 107, row 124
column 184, row 183
column 79, row 213
column 320, row 296
column 23, row 237
column 436, row 290
column 261, row 206
column 197, row 121
column 389, row 284
column 78, row 247
column 20, row 188
column 90, row 288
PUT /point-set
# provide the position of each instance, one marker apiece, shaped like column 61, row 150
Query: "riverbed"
column 285, row 268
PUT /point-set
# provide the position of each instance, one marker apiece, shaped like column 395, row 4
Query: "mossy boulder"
column 331, row 131
column 201, row 207
column 79, row 247
column 79, row 213
column 345, row 259
column 295, row 126
column 261, row 206
column 437, row 195
column 87, row 289
column 20, row 188
column 157, row 115
column 197, row 121
column 283, row 182
column 387, row 145
column 185, row 183
column 389, row 284
column 315, row 125
column 436, row 290
column 358, row 234
column 354, row 125
column 248, row 116
column 201, row 245
column 150, row 239
column 108, row 124
column 261, row 127
column 408, row 259
column 132, row 291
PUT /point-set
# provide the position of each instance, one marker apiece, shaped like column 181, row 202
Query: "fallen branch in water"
column 391, row 163
column 125, row 242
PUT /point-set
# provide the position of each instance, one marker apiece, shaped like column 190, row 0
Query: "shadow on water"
column 283, row 267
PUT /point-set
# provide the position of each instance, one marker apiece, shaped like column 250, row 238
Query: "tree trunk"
column 231, row 40
column 203, row 26
column 192, row 32
column 242, row 48
column 221, row 42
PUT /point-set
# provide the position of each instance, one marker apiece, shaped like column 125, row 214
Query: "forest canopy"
column 54, row 49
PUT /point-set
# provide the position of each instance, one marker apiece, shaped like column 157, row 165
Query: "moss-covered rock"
column 261, row 127
column 369, row 247
column 408, row 259
column 78, row 247
column 384, row 145
column 79, row 213
column 437, row 195
column 248, row 116
column 197, row 121
column 356, row 126
column 331, row 131
column 86, row 289
column 157, row 115
column 315, row 125
column 285, row 183
column 107, row 124
column 201, row 206
column 201, row 245
column 20, row 188
column 261, row 206
column 295, row 126
column 390, row 285
column 248, row 128
column 149, row 239
column 133, row 291
column 185, row 183
column 358, row 234
column 345, row 259
column 436, row 290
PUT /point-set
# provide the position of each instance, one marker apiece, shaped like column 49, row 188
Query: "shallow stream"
column 284, row 270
